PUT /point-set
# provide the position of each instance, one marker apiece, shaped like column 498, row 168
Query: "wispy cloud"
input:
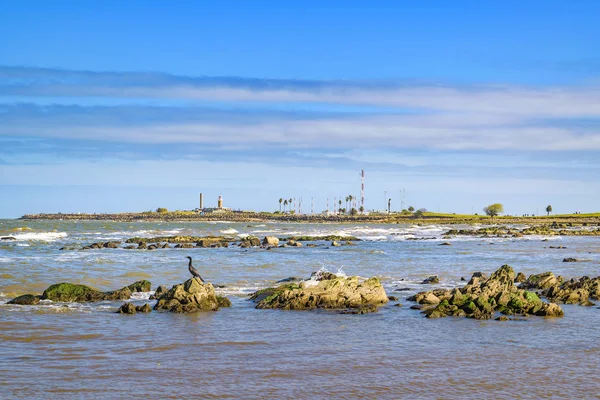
column 494, row 98
column 413, row 116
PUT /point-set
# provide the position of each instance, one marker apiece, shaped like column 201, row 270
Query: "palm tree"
column 549, row 209
column 280, row 201
column 290, row 204
column 347, row 198
column 340, row 207
column 285, row 203
column 389, row 205
column 350, row 198
column 361, row 209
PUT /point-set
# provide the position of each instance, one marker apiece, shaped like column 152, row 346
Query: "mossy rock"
column 69, row 292
column 140, row 286
column 223, row 302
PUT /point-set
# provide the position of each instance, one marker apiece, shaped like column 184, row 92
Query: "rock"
column 431, row 280
column 165, row 246
column 482, row 297
column 8, row 238
column 502, row 318
column 335, row 244
column 570, row 259
column 446, row 244
column 574, row 291
column 127, row 308
column 462, row 279
column 360, row 310
column 550, row 310
column 392, row 298
column 25, row 300
column 223, row 302
column 190, row 296
column 323, row 290
column 349, row 243
column 140, row 286
column 294, row 243
column 143, row 309
column 520, row 278
column 189, row 245
column 250, row 241
column 544, row 280
column 160, row 291
column 152, row 247
column 69, row 292
column 111, row 245
column 270, row 241
column 142, row 246
column 429, row 298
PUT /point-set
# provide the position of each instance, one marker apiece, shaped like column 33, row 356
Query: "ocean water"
column 87, row 351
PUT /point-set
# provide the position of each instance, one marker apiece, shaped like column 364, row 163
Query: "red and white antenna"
column 362, row 189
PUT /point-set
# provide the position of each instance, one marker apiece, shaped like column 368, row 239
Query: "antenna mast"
column 362, row 189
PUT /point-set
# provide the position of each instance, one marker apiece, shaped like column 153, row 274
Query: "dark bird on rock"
column 193, row 270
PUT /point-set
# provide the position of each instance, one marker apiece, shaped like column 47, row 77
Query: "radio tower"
column 362, row 189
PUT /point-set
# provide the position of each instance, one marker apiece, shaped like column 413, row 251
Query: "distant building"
column 213, row 210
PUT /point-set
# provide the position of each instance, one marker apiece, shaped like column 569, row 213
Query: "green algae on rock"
column 75, row 293
column 482, row 297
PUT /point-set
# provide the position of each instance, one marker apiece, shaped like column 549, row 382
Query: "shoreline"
column 393, row 218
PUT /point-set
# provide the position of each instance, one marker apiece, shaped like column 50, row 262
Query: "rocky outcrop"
column 574, row 291
column 188, row 297
column 70, row 292
column 520, row 278
column 323, row 290
column 482, row 297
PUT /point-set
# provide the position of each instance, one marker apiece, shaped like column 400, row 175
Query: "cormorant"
column 193, row 270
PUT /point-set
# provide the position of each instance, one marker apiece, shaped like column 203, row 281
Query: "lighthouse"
column 220, row 202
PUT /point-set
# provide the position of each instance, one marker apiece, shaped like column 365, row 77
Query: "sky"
column 113, row 106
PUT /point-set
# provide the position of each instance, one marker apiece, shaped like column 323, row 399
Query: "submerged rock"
column 127, row 308
column 25, row 300
column 323, row 290
column 482, row 297
column 431, row 280
column 190, row 296
column 570, row 259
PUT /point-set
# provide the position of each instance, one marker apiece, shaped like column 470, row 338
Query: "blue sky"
column 128, row 106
